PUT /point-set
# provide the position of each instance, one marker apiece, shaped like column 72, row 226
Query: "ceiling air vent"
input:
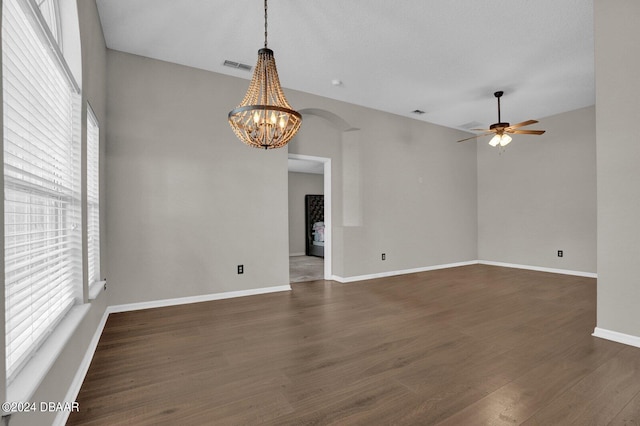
column 417, row 112
column 237, row 65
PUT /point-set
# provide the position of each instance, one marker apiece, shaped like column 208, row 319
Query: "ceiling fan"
column 501, row 129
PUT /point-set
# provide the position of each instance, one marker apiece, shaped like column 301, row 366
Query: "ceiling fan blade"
column 474, row 137
column 524, row 123
column 482, row 130
column 526, row 132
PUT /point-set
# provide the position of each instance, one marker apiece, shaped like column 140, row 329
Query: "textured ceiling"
column 443, row 57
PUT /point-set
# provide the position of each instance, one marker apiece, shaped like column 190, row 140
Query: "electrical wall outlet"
column 560, row 253
column 240, row 269
column 384, row 256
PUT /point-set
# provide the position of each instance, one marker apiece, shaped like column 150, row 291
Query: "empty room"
column 426, row 214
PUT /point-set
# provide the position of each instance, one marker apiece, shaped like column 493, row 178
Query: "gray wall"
column 417, row 188
column 187, row 202
column 618, row 148
column 539, row 195
column 300, row 184
column 56, row 383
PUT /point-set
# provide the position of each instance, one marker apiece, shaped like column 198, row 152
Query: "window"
column 43, row 253
column 93, row 196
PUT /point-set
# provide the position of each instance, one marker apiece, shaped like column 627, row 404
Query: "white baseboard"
column 626, row 339
column 195, row 299
column 76, row 384
column 401, row 272
column 297, row 254
column 540, row 268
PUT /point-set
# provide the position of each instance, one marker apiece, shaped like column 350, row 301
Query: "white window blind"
column 42, row 181
column 93, row 195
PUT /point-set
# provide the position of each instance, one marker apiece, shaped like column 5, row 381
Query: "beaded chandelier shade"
column 264, row 118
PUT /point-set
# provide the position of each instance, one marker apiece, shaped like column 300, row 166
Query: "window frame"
column 93, row 200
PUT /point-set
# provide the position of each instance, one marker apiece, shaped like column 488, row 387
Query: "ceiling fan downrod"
column 499, row 95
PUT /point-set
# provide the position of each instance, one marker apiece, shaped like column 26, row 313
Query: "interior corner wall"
column 539, row 196
column 187, row 201
column 618, row 148
column 300, row 184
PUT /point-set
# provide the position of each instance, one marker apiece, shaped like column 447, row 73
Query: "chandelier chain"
column 265, row 24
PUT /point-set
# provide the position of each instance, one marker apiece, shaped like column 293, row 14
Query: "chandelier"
column 264, row 118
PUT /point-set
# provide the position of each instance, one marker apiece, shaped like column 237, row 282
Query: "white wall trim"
column 297, row 254
column 195, row 299
column 626, row 339
column 540, row 268
column 328, row 220
column 454, row 265
column 76, row 384
column 96, row 288
column 401, row 272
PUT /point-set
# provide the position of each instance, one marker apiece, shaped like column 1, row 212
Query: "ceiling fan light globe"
column 495, row 140
column 504, row 141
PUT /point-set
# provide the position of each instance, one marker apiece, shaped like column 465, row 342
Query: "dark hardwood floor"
column 474, row 345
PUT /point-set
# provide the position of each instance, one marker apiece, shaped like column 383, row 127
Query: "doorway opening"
column 309, row 218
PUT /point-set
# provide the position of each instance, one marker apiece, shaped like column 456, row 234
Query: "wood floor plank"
column 469, row 345
column 630, row 414
column 599, row 396
column 518, row 400
column 348, row 404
